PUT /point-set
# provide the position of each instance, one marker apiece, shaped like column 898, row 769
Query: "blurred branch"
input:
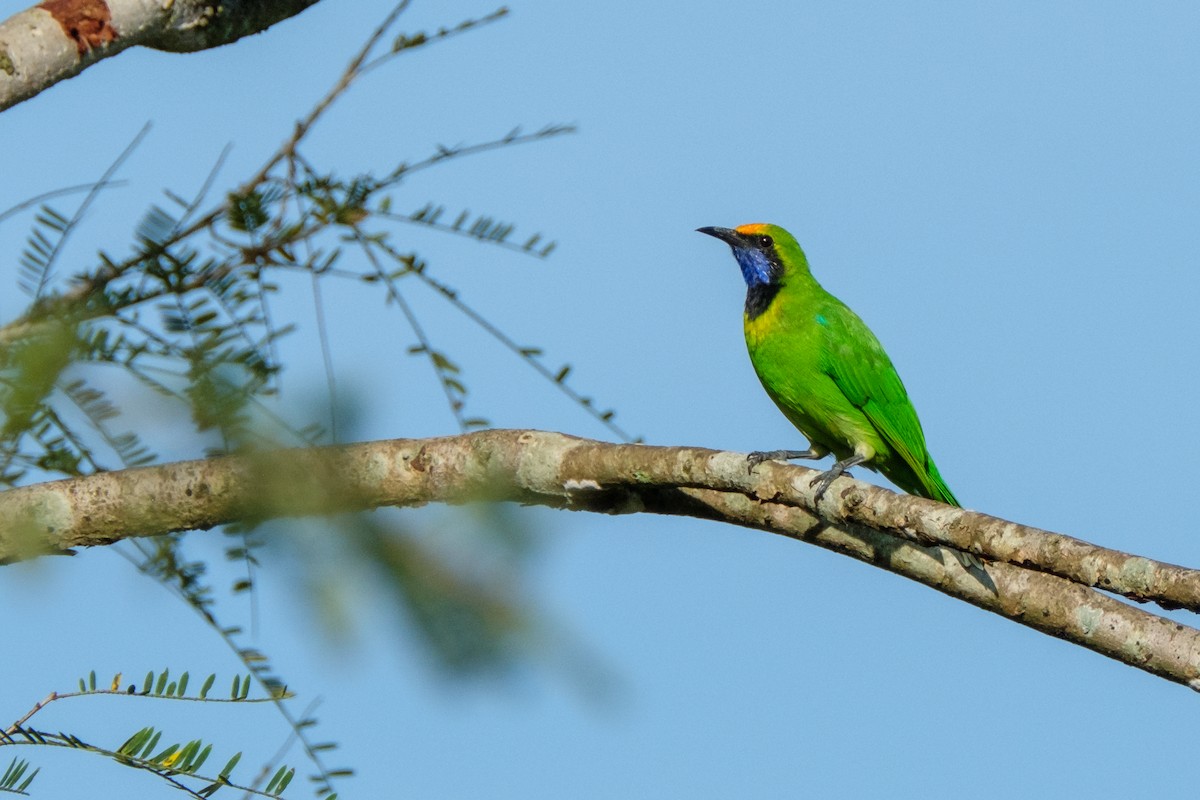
column 1043, row 580
column 66, row 190
column 58, row 39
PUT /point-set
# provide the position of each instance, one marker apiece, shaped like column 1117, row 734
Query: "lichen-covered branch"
column 1039, row 579
column 57, row 39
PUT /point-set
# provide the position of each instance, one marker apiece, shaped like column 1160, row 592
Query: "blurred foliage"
column 186, row 315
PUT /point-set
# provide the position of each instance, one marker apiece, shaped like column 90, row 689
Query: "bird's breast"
column 763, row 326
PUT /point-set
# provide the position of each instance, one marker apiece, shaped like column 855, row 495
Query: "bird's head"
column 766, row 253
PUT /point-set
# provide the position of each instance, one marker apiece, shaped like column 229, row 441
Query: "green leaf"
column 166, row 753
column 207, row 685
column 230, row 765
column 133, row 743
column 184, row 762
column 210, row 790
column 443, row 363
column 150, row 744
column 273, row 784
column 29, row 780
column 16, row 769
column 200, row 759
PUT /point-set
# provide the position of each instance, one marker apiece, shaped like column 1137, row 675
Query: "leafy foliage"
column 16, row 778
column 179, row 764
column 185, row 316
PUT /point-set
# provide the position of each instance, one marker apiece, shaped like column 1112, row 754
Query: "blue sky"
column 1006, row 193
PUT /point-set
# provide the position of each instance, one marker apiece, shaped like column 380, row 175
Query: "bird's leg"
column 759, row 456
column 839, row 469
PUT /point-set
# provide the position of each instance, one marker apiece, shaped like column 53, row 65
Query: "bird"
column 827, row 371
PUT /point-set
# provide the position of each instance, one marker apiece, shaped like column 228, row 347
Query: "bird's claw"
column 824, row 480
column 759, row 456
column 756, row 458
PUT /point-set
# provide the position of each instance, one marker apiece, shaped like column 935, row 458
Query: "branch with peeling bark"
column 1043, row 580
column 58, row 39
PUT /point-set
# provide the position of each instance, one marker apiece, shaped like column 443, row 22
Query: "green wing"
column 862, row 371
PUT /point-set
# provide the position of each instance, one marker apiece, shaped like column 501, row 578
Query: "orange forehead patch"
column 751, row 229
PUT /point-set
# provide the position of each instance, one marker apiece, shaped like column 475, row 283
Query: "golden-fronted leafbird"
column 826, row 371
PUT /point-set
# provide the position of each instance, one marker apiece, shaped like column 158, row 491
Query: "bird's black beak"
column 727, row 235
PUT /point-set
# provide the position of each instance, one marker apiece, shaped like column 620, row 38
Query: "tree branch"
column 58, row 39
column 1040, row 579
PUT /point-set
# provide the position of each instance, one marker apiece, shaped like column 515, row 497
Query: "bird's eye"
column 765, row 241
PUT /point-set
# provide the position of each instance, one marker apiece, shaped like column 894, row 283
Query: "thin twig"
column 418, row 331
column 44, row 196
column 105, row 179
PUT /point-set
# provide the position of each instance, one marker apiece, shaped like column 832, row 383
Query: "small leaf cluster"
column 144, row 749
column 17, row 777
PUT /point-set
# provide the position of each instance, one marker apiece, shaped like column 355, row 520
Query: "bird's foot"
column 759, row 456
column 823, row 480
column 839, row 469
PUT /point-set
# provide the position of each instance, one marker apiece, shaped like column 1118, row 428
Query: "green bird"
column 826, row 371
